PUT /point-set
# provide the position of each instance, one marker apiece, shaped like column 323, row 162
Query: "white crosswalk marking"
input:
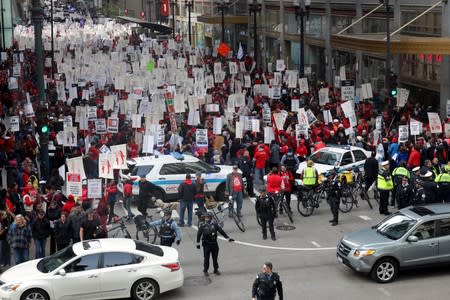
column 365, row 218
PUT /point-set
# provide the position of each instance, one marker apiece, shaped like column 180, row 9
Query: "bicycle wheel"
column 305, row 206
column 148, row 235
column 288, row 212
column 239, row 222
column 346, row 203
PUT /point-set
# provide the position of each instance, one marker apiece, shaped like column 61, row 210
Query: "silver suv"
column 415, row 236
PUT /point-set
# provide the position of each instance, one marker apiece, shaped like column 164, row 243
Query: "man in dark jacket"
column 145, row 189
column 371, row 170
column 40, row 229
column 186, row 192
column 63, row 232
column 245, row 164
column 267, row 284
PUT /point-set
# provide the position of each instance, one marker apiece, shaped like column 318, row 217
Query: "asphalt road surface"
column 304, row 257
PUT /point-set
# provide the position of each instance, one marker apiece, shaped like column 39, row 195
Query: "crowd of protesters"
column 35, row 210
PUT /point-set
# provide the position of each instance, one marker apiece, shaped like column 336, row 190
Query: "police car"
column 346, row 157
column 169, row 171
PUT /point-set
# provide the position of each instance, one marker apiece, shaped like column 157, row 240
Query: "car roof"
column 152, row 160
column 340, row 148
column 102, row 245
column 424, row 211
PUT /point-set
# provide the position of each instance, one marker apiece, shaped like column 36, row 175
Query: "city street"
column 304, row 258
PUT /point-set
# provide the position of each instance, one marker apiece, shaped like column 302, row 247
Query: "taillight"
column 173, row 267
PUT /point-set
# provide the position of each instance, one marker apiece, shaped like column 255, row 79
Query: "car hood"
column 319, row 167
column 365, row 238
column 24, row 271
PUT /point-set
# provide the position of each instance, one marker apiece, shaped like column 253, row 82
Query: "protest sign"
column 201, row 137
column 94, row 187
column 73, row 184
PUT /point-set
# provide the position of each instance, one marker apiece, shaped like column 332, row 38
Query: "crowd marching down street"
column 118, row 96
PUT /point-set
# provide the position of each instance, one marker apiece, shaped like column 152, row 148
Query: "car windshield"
column 326, row 157
column 50, row 263
column 395, row 226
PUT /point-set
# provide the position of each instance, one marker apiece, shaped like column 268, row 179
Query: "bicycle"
column 144, row 231
column 308, row 198
column 359, row 187
column 217, row 210
column 237, row 219
column 121, row 228
column 280, row 204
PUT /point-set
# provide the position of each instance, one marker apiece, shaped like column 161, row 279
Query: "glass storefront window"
column 429, row 24
column 424, row 67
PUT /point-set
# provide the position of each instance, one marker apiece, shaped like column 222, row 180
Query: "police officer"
column 267, row 284
column 384, row 185
column 310, row 175
column 429, row 188
column 334, row 194
column 443, row 185
column 169, row 232
column 246, row 165
column 290, row 161
column 404, row 194
column 266, row 210
column 207, row 232
column 397, row 176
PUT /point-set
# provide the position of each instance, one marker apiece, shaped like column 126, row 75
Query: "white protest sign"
column 342, row 74
column 105, row 168
column 327, row 117
column 435, row 122
column 366, row 91
column 269, row 135
column 119, row 155
column 148, row 144
column 311, row 117
column 303, row 85
column 14, row 123
column 378, row 122
column 414, row 127
column 100, row 126
column 403, row 133
column 280, row 119
column 201, row 137
column 280, row 65
column 323, row 96
column 348, row 90
column 94, row 188
column 113, row 125
column 73, row 184
column 447, row 130
column 70, row 136
column 402, row 97
column 217, row 125
column 160, row 137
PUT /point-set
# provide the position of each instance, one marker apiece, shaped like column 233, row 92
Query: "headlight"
column 364, row 252
column 11, row 287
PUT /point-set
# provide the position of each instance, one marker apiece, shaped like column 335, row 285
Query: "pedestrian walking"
column 207, row 233
column 186, row 192
column 266, row 210
column 246, row 165
column 144, row 199
column 370, row 170
column 40, row 229
column 19, row 238
column 199, row 191
column 111, row 197
column 76, row 217
column 90, row 227
column 405, row 194
column 63, row 232
column 235, row 188
column 128, row 197
column 267, row 284
column 168, row 229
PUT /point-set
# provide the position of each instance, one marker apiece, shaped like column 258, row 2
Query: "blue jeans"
column 39, row 247
column 190, row 206
column 259, row 175
column 239, row 198
column 128, row 205
column 21, row 255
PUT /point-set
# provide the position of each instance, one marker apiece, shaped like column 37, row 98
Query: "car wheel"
column 385, row 270
column 145, row 289
column 35, row 294
column 159, row 194
column 220, row 193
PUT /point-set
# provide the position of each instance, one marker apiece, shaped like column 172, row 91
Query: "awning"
column 153, row 26
column 217, row 19
column 401, row 44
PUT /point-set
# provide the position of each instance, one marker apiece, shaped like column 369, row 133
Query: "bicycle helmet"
column 208, row 214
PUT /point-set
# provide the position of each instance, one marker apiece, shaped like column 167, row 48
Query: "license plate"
column 340, row 260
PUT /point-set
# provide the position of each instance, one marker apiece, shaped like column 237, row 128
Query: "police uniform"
column 207, row 232
column 266, row 209
column 443, row 184
column 397, row 176
column 291, row 162
column 404, row 195
column 266, row 286
column 168, row 231
column 309, row 177
column 334, row 194
column 384, row 185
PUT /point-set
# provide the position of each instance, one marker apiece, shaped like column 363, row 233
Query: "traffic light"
column 393, row 84
column 44, row 129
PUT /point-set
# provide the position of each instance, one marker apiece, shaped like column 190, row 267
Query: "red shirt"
column 414, row 158
column 94, row 153
column 127, row 189
column 237, row 186
column 260, row 159
column 273, row 183
column 287, row 180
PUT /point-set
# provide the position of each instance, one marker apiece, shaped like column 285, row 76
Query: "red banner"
column 165, row 8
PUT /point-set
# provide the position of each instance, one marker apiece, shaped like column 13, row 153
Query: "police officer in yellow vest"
column 384, row 185
column 397, row 176
column 310, row 175
column 443, row 182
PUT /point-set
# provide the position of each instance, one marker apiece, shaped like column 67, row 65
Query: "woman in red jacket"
column 414, row 158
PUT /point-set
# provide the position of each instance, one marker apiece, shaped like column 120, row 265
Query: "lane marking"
column 366, row 218
column 315, row 244
column 274, row 247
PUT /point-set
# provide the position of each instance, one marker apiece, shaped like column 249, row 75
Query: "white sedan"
column 96, row 269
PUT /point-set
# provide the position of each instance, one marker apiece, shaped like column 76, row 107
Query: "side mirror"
column 412, row 239
column 62, row 272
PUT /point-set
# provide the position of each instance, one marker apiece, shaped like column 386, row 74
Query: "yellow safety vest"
column 383, row 184
column 443, row 177
column 309, row 176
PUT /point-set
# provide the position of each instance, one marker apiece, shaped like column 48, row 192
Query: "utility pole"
column 189, row 4
column 301, row 11
column 53, row 40
column 254, row 8
column 36, row 11
column 221, row 7
column 174, row 5
column 3, row 45
column 388, row 50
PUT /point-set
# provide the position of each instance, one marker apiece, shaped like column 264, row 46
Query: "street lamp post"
column 254, row 8
column 53, row 40
column 174, row 4
column 3, row 45
column 222, row 6
column 189, row 4
column 301, row 10
column 388, row 48
column 36, row 11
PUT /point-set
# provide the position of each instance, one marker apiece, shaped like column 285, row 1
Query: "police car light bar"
column 177, row 155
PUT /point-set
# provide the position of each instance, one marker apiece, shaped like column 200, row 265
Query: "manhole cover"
column 285, row 227
column 197, row 281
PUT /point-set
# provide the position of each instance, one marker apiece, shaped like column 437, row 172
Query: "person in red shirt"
column 235, row 188
column 128, row 197
column 301, row 151
column 319, row 145
column 274, row 181
column 94, row 154
column 70, row 203
column 288, row 181
column 414, row 158
column 260, row 159
column 133, row 149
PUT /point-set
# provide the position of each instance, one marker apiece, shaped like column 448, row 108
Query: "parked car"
column 416, row 236
column 96, row 269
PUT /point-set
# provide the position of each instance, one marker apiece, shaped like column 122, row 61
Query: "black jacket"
column 371, row 167
column 265, row 287
column 430, row 190
column 404, row 196
column 207, row 232
column 186, row 191
column 265, row 206
column 246, row 165
column 145, row 189
column 40, row 228
column 63, row 232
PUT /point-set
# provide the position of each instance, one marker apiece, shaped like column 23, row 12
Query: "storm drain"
column 197, row 281
column 285, row 227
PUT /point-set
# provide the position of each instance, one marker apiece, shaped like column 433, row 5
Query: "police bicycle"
column 308, row 198
column 237, row 219
column 144, row 231
column 217, row 210
column 280, row 206
column 120, row 231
